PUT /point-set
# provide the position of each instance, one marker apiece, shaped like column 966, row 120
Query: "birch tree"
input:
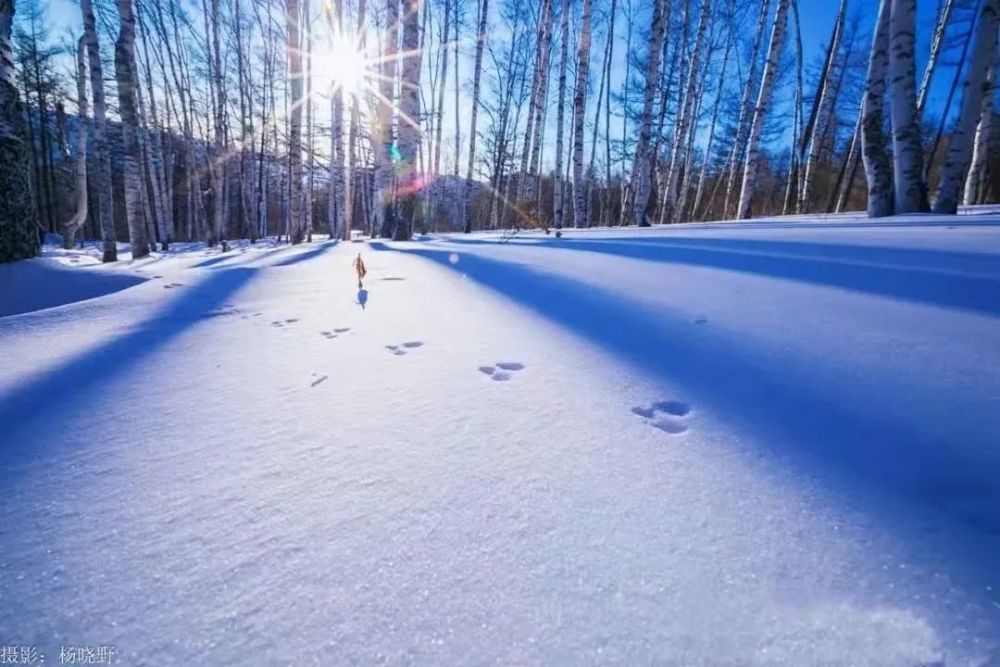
column 409, row 127
column 736, row 158
column 975, row 181
column 579, row 106
column 878, row 168
column 763, row 102
column 295, row 220
column 385, row 208
column 125, row 75
column 74, row 224
column 685, row 117
column 477, row 75
column 977, row 85
column 557, row 184
column 102, row 157
column 824, row 108
column 907, row 151
column 643, row 158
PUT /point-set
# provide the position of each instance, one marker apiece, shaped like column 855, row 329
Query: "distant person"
column 359, row 268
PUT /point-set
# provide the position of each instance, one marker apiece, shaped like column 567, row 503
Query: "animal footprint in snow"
column 501, row 372
column 334, row 333
column 173, row 285
column 400, row 350
column 318, row 380
column 668, row 416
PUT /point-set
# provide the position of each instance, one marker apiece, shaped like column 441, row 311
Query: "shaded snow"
column 770, row 444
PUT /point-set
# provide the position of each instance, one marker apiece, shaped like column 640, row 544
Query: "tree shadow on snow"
column 71, row 384
column 958, row 280
column 832, row 423
column 312, row 253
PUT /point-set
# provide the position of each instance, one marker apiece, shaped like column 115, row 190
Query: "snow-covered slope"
column 760, row 444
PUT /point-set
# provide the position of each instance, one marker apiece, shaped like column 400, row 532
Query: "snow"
column 757, row 444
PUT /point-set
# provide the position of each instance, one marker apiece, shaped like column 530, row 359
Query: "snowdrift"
column 45, row 283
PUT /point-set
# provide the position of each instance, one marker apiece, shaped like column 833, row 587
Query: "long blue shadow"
column 320, row 249
column 34, row 285
column 72, row 382
column 212, row 261
column 900, row 273
column 831, row 423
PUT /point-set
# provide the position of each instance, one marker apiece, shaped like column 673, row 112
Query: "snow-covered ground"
column 774, row 443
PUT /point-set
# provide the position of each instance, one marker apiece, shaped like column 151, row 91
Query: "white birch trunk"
column 296, row 229
column 823, row 112
column 643, row 160
column 878, row 169
column 763, row 102
column 975, row 182
column 74, row 224
column 477, row 75
column 102, row 156
column 932, row 60
column 385, row 203
column 976, row 87
column 557, row 184
column 907, row 149
column 684, row 118
column 125, row 75
column 579, row 107
column 738, row 159
column 409, row 126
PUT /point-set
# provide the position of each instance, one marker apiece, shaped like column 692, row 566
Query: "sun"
column 342, row 64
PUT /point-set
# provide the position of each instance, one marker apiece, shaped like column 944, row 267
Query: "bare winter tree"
column 296, row 225
column 579, row 106
column 102, row 157
column 18, row 233
column 557, row 185
column 908, row 155
column 409, row 112
column 975, row 181
column 476, row 77
column 79, row 217
column 977, row 86
column 878, row 167
column 643, row 163
column 127, row 81
column 763, row 102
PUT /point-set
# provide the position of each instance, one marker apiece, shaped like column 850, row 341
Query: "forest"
column 155, row 123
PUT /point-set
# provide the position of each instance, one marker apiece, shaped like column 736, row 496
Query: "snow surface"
column 774, row 443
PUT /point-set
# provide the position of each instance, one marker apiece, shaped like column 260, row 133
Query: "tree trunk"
column 102, row 156
column 643, row 159
column 976, row 180
column 126, row 76
column 579, row 107
column 907, row 149
column 738, row 160
column 763, row 101
column 824, row 108
column 385, row 202
column 18, row 222
column 557, row 184
column 684, row 118
column 977, row 86
column 409, row 126
column 80, row 215
column 878, row 169
column 477, row 74
column 296, row 229
column 932, row 60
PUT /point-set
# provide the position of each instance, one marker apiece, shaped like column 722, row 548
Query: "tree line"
column 220, row 119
